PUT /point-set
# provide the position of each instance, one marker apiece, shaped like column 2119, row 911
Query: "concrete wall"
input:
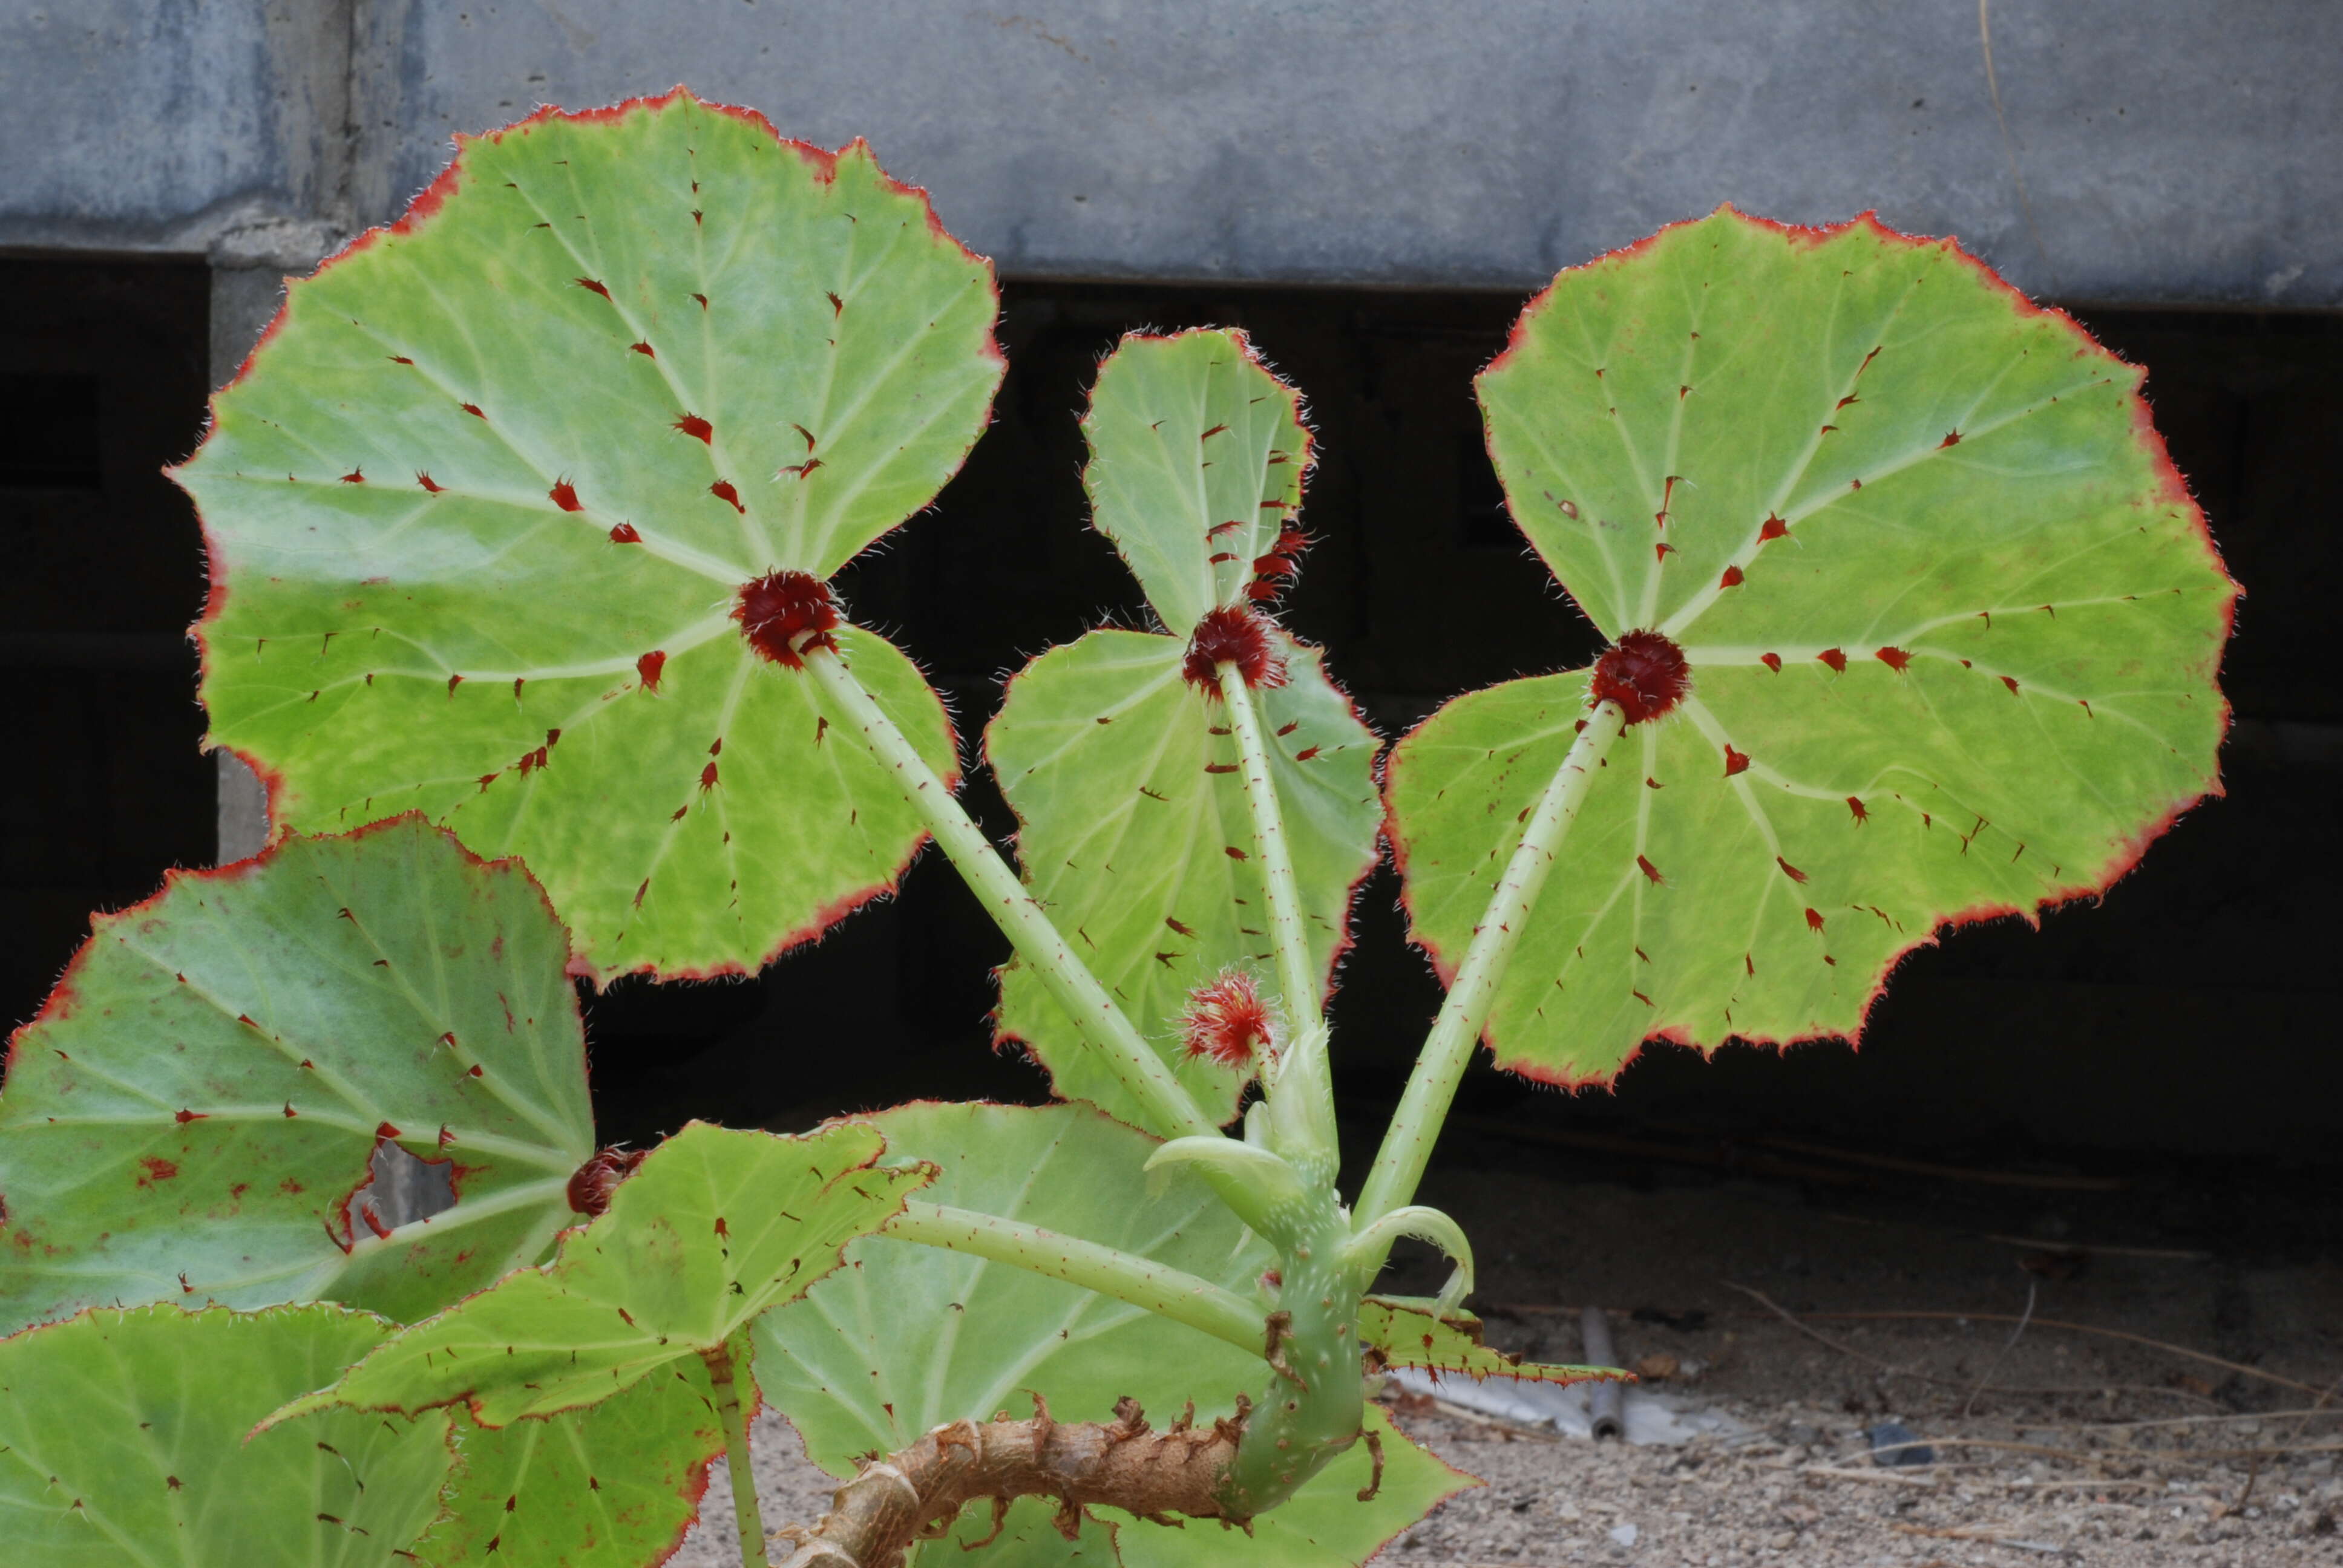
column 2170, row 151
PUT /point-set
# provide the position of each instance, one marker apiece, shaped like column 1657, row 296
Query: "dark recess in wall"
column 103, row 378
column 2186, row 1013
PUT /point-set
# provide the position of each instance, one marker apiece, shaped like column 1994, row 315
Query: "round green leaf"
column 614, row 1485
column 480, row 507
column 1197, row 458
column 714, row 1227
column 1137, row 838
column 124, row 1438
column 1952, row 624
column 190, row 1116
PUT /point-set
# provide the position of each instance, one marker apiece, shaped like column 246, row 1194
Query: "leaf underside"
column 123, row 1439
column 906, row 1337
column 615, row 1485
column 189, row 1116
column 1108, row 757
column 1197, row 460
column 713, row 1228
column 479, row 511
column 1406, row 1331
column 1941, row 512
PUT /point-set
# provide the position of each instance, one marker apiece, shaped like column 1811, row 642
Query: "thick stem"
column 1305, row 1081
column 1415, row 1126
column 916, row 1493
column 723, row 1367
column 1313, row 1407
column 1166, row 1292
column 1171, row 1109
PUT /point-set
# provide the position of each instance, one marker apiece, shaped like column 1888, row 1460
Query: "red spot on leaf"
column 707, row 777
column 400, row 359
column 723, row 491
column 1814, row 919
column 1855, row 804
column 1735, row 761
column 1220, row 766
column 1772, row 661
column 1647, row 868
column 1176, row 925
column 1233, row 853
column 1732, row 577
column 1645, row 673
column 2010, row 681
column 1772, row 529
column 648, row 668
column 1212, row 432
column 453, row 682
column 157, row 1169
column 594, row 284
column 1789, row 870
column 1835, row 659
column 1952, row 439
column 354, row 476
column 424, row 479
column 1661, row 552
column 1306, row 753
column 473, row 409
column 624, row 534
column 565, row 496
column 697, row 428
column 800, row 469
column 779, row 608
column 1895, row 658
column 644, row 349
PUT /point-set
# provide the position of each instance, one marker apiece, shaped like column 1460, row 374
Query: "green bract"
column 190, row 1116
column 715, row 1227
column 481, row 507
column 126, row 1437
column 1952, row 623
column 1136, row 837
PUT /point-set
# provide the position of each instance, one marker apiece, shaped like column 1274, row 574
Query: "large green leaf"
column 614, row 1485
column 1952, row 622
column 124, row 1439
column 480, row 510
column 189, row 1116
column 713, row 1228
column 1137, row 840
column 907, row 1337
column 1197, row 458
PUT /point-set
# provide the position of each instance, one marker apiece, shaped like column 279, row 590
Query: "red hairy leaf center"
column 779, row 608
column 1232, row 636
column 1227, row 1020
column 1644, row 673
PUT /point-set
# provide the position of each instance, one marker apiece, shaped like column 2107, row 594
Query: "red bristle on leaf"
column 1735, row 761
column 565, row 496
column 649, row 666
column 644, row 349
column 1895, row 658
column 624, row 534
column 1855, row 804
column 723, row 491
column 1237, row 637
column 1835, row 659
column 699, row 430
column 1773, row 528
column 1772, row 661
column 1814, row 919
column 424, row 479
column 594, row 284
column 779, row 608
column 354, row 476
column 1789, row 870
column 1732, row 577
column 1647, row 868
column 1644, row 673
column 1227, row 1020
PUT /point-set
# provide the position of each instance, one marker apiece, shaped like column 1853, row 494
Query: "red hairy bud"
column 1227, row 1020
column 1237, row 637
column 778, row 606
column 1644, row 673
column 589, row 1188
